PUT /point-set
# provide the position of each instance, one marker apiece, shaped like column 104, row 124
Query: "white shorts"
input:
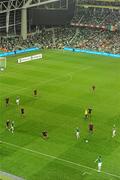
column 17, row 102
column 12, row 128
column 77, row 134
column 114, row 132
column 99, row 164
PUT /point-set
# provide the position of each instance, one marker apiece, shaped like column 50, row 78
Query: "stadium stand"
column 58, row 37
column 92, row 28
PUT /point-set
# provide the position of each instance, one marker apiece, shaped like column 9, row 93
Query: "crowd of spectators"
column 101, row 2
column 97, row 16
column 63, row 36
column 39, row 39
column 59, row 37
column 98, row 40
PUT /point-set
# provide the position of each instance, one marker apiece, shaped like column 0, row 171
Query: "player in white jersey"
column 12, row 127
column 99, row 161
column 114, row 131
column 77, row 133
column 18, row 101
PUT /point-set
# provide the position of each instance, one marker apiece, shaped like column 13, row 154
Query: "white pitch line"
column 86, row 173
column 41, row 83
column 10, row 176
column 60, row 159
column 50, row 80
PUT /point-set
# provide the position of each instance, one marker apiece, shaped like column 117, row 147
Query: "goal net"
column 2, row 63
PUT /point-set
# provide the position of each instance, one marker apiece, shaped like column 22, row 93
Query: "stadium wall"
column 91, row 52
column 19, row 51
column 65, row 48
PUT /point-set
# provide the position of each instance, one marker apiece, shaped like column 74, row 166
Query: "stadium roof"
column 11, row 5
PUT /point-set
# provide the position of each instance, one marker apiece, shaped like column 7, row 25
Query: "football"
column 2, row 69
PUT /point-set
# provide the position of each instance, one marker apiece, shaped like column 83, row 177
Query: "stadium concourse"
column 59, row 37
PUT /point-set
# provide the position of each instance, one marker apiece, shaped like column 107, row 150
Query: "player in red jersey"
column 93, row 88
column 35, row 92
column 91, row 127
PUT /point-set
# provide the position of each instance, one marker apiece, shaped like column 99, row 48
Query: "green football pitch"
column 64, row 82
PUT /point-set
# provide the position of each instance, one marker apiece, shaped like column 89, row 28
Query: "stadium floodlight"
column 2, row 63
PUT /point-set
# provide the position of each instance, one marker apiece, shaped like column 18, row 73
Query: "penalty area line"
column 86, row 173
column 60, row 159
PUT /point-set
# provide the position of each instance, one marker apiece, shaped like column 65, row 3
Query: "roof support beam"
column 20, row 4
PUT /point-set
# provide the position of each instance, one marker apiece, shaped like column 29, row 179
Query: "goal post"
column 2, row 63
